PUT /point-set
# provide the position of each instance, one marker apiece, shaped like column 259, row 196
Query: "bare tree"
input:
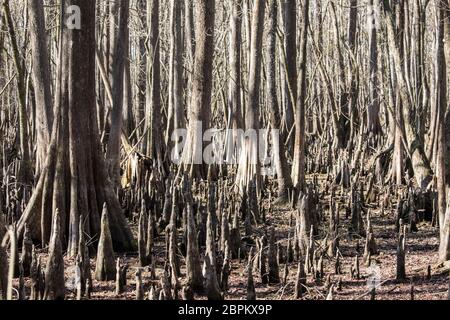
column 114, row 143
column 25, row 164
column 420, row 163
column 290, row 46
column 249, row 165
column 41, row 79
column 298, row 168
column 283, row 174
column 74, row 178
column 153, row 106
column 200, row 104
column 441, row 93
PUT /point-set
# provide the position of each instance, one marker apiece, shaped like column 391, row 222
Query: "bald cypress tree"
column 74, row 178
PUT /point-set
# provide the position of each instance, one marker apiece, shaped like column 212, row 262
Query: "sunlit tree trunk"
column 41, row 80
column 298, row 168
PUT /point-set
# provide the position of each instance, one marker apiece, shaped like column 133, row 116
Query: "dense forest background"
column 124, row 173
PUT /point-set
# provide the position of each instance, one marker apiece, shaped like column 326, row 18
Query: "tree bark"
column 298, row 168
column 420, row 163
column 290, row 45
column 281, row 164
column 153, row 88
column 249, row 165
column 114, row 143
column 234, row 83
column 25, row 164
column 41, row 80
column 74, row 178
column 200, row 104
column 441, row 91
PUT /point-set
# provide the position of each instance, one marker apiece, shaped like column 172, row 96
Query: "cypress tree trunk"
column 74, row 178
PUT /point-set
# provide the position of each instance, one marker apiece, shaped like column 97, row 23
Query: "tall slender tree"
column 234, row 84
column 290, row 47
column 41, row 79
column 282, row 169
column 200, row 104
column 249, row 164
column 115, row 134
column 298, row 168
column 442, row 104
column 25, row 160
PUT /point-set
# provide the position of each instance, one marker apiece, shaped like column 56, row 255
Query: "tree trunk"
column 74, row 178
column 25, row 164
column 441, row 92
column 420, row 163
column 234, row 84
column 298, row 168
column 41, row 80
column 373, row 117
column 281, row 165
column 176, row 111
column 153, row 88
column 200, row 104
column 117, row 84
column 290, row 47
column 249, row 165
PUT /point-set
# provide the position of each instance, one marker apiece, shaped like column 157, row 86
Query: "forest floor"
column 421, row 252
